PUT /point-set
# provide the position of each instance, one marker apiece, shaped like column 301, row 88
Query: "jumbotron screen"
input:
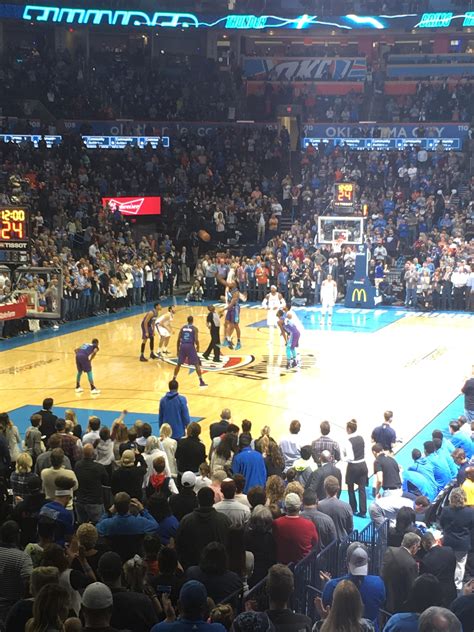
column 136, row 206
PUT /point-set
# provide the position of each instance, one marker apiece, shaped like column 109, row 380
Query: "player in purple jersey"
column 232, row 318
column 148, row 332
column 84, row 356
column 188, row 347
column 291, row 334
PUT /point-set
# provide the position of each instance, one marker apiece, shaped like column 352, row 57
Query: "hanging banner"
column 305, row 69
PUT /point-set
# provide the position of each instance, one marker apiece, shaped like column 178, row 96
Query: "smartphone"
column 163, row 589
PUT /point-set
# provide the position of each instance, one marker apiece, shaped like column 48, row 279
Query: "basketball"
column 204, row 235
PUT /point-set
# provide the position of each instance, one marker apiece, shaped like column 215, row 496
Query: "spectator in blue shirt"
column 441, row 472
column 124, row 522
column 174, row 411
column 415, row 483
column 445, row 457
column 421, row 465
column 447, row 449
column 460, row 440
column 55, row 512
column 371, row 587
column 250, row 464
column 193, row 606
column 385, row 434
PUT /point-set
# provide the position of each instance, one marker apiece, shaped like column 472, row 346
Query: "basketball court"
column 368, row 361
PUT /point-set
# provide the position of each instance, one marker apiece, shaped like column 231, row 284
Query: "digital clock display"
column 344, row 194
column 14, row 234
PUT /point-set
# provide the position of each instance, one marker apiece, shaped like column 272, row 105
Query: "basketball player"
column 84, row 356
column 232, row 317
column 328, row 299
column 273, row 302
column 291, row 334
column 163, row 327
column 148, row 332
column 187, row 350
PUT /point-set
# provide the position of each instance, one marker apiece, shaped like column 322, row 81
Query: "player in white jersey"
column 163, row 327
column 328, row 299
column 273, row 302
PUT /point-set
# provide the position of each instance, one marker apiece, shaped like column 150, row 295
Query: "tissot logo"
column 229, row 363
column 131, row 208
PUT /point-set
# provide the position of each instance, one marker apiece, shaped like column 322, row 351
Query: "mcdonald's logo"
column 359, row 295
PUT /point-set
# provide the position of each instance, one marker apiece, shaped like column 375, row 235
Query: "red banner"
column 11, row 311
column 137, row 206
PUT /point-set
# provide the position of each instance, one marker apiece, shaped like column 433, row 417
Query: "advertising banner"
column 12, row 311
column 305, row 69
column 388, row 130
column 136, row 206
column 160, row 129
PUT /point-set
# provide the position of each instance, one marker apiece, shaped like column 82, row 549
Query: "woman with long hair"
column 241, row 561
column 119, row 435
column 345, row 614
column 72, row 422
column 274, row 461
column 169, row 446
column 258, row 538
column 264, row 432
column 457, row 523
column 404, row 523
column 50, row 609
column 221, row 457
column 11, row 435
column 275, row 490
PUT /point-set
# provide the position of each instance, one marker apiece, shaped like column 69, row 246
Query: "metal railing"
column 331, row 560
column 307, row 576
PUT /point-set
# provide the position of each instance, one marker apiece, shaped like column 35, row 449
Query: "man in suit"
column 220, row 427
column 399, row 571
column 317, row 478
column 48, row 419
column 440, row 561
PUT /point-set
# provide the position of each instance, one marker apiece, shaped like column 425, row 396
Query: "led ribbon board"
column 379, row 144
column 166, row 19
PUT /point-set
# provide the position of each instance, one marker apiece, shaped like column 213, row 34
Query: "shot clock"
column 14, row 235
column 344, row 195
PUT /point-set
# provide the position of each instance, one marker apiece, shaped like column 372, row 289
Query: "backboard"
column 41, row 289
column 331, row 229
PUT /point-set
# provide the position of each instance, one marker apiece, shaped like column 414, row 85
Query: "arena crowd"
column 128, row 528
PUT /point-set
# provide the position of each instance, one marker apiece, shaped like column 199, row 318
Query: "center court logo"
column 229, row 363
column 359, row 295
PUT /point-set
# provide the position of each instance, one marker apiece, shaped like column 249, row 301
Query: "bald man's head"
column 88, row 452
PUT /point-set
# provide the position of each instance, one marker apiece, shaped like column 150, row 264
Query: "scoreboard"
column 344, row 195
column 14, row 235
